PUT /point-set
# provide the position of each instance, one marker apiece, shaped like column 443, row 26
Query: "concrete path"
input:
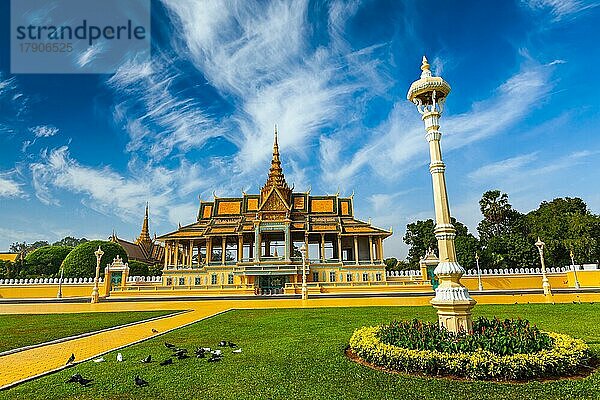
column 27, row 364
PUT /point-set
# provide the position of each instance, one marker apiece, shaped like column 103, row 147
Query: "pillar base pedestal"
column 455, row 316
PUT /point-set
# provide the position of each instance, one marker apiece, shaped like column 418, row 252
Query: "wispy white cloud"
column 43, row 131
column 14, row 105
column 523, row 167
column 561, row 9
column 110, row 192
column 398, row 144
column 154, row 114
column 501, row 168
column 90, row 54
column 9, row 187
column 259, row 57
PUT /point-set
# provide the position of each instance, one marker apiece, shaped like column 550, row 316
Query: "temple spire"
column 276, row 177
column 145, row 233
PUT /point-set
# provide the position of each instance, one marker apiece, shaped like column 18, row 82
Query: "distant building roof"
column 12, row 257
column 145, row 248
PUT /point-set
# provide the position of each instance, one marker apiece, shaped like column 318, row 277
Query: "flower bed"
column 564, row 356
column 501, row 337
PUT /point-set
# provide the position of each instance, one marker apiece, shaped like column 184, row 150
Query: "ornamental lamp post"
column 478, row 271
column 545, row 284
column 59, row 294
column 304, row 292
column 577, row 286
column 95, row 292
column 452, row 299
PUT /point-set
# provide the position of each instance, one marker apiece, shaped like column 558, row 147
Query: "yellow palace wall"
column 47, row 291
column 390, row 285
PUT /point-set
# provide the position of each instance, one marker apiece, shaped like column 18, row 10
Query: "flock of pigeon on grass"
column 212, row 355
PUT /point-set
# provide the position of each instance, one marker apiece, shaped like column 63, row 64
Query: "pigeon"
column 232, row 345
column 180, row 352
column 200, row 353
column 168, row 361
column 216, row 352
column 147, row 360
column 119, row 357
column 84, row 382
column 169, row 345
column 99, row 360
column 154, row 330
column 207, row 349
column 214, row 358
column 74, row 378
column 71, row 359
column 140, row 382
column 237, row 351
column 222, row 343
column 77, row 378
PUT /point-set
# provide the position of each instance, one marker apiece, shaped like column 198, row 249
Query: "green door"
column 270, row 285
column 115, row 279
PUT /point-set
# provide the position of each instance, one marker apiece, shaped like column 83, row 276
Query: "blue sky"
column 80, row 154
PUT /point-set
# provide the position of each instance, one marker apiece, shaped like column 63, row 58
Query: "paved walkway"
column 27, row 364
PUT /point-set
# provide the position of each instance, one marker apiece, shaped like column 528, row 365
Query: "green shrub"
column 46, row 261
column 138, row 268
column 499, row 337
column 155, row 270
column 81, row 262
column 565, row 357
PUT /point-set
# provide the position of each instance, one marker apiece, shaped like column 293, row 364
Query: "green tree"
column 499, row 217
column 138, row 268
column 69, row 241
column 12, row 270
column 155, row 270
column 81, row 261
column 566, row 224
column 420, row 236
column 390, row 263
column 46, row 260
column 511, row 250
column 24, row 248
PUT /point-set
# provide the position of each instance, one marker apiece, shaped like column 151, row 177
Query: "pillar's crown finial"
column 425, row 68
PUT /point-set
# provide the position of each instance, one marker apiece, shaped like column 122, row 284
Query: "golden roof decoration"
column 276, row 179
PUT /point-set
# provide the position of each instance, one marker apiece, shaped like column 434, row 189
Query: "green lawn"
column 25, row 330
column 299, row 354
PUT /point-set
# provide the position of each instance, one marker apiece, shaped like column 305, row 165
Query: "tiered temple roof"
column 276, row 202
column 144, row 249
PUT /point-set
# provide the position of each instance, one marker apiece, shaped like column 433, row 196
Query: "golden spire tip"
column 425, row 64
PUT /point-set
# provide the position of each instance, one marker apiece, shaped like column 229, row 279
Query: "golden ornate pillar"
column 166, row 255
column 452, row 299
column 176, row 254
column 240, row 249
column 322, row 248
column 306, row 243
column 339, row 241
column 356, row 249
column 208, row 250
column 223, row 248
column 371, row 248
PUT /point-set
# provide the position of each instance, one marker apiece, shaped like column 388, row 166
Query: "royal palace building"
column 254, row 241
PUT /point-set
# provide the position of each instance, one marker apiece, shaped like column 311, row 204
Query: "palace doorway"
column 271, row 285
